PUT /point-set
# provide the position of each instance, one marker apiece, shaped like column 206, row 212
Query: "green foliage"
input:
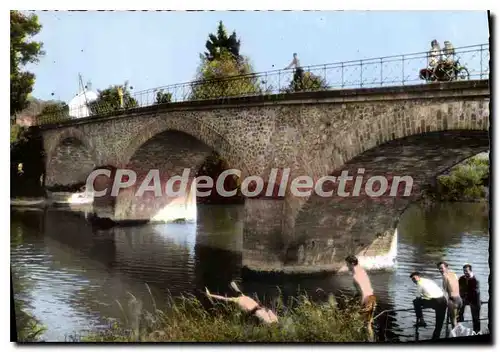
column 223, row 72
column 22, row 52
column 108, row 100
column 163, row 97
column 221, row 42
column 466, row 181
column 53, row 112
column 308, row 83
column 16, row 133
column 28, row 328
column 224, row 77
column 186, row 320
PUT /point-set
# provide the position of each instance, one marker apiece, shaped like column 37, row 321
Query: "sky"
column 152, row 49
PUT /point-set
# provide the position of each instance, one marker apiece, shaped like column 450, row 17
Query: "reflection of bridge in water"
column 186, row 258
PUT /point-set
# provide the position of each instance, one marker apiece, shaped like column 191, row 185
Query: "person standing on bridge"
column 364, row 288
column 299, row 73
column 248, row 305
column 429, row 295
column 450, row 287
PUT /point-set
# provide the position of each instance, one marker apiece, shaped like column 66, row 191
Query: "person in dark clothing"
column 470, row 293
column 298, row 74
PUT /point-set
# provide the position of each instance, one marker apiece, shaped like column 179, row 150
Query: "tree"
column 163, row 98
column 224, row 77
column 110, row 99
column 223, row 72
column 53, row 112
column 22, row 52
column 16, row 134
column 220, row 42
column 309, row 82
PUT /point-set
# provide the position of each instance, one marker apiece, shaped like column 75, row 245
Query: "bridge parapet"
column 469, row 63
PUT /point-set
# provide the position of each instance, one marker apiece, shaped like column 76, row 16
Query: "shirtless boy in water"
column 451, row 288
column 247, row 305
column 364, row 287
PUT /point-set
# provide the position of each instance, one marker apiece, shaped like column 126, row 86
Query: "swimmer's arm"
column 291, row 64
column 221, row 298
column 225, row 299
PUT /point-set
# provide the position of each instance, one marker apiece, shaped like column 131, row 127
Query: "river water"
column 70, row 275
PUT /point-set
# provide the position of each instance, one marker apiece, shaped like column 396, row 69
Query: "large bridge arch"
column 329, row 228
column 72, row 151
column 352, row 127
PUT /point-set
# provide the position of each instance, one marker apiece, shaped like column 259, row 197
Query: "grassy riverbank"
column 467, row 181
column 28, row 328
column 186, row 320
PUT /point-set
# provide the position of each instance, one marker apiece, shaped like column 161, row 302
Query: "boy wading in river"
column 451, row 288
column 364, row 287
column 247, row 305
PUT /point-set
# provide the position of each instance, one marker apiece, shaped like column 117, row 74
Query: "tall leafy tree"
column 22, row 51
column 224, row 77
column 220, row 42
column 223, row 72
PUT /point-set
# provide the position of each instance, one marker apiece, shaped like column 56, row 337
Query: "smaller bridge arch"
column 72, row 151
column 192, row 127
column 169, row 146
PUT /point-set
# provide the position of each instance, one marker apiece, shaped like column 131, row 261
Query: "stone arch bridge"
column 416, row 131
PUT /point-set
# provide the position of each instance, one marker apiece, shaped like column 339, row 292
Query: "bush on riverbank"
column 188, row 321
column 28, row 328
column 465, row 182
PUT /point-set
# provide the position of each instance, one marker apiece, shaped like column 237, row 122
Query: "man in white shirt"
column 429, row 295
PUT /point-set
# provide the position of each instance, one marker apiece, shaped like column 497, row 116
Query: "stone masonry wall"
column 314, row 134
column 76, row 161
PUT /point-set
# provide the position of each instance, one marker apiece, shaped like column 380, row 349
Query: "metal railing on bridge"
column 468, row 63
column 407, row 333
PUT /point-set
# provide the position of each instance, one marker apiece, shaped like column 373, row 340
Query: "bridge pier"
column 160, row 206
column 262, row 234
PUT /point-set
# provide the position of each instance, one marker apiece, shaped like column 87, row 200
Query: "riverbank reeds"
column 187, row 320
column 28, row 328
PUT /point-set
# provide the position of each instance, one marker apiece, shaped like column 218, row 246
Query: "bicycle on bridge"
column 445, row 72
